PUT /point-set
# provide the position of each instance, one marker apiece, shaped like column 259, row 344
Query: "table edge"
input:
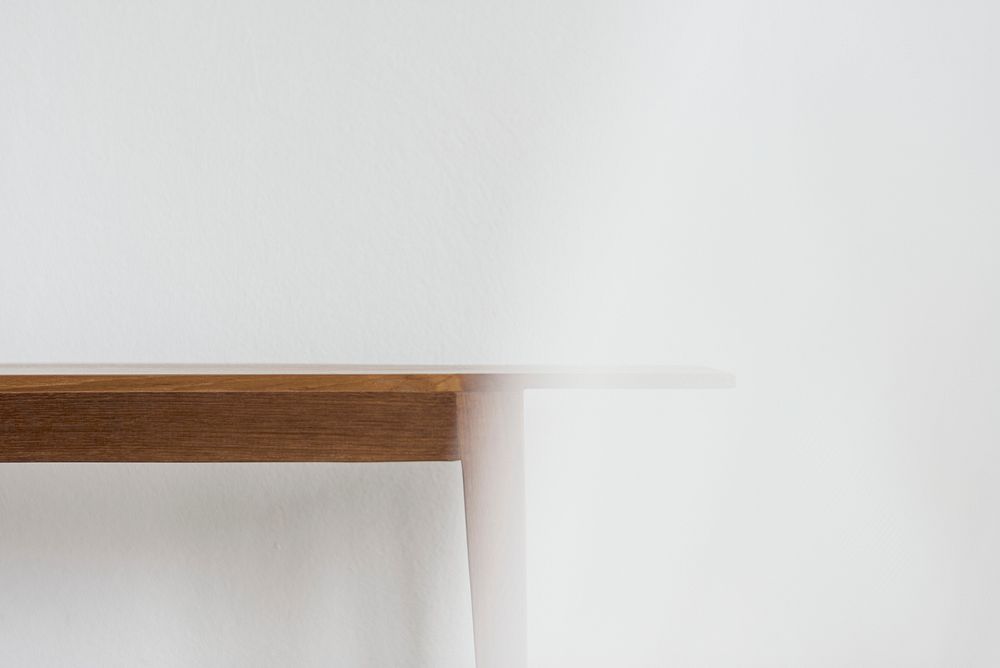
column 348, row 378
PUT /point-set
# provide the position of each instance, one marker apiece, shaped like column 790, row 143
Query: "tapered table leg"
column 490, row 429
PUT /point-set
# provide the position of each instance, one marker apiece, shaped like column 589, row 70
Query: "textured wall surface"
column 233, row 565
column 803, row 193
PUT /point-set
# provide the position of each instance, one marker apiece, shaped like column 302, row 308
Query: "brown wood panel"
column 120, row 383
column 227, row 427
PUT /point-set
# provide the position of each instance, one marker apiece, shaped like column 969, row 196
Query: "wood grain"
column 490, row 428
column 271, row 383
column 227, row 427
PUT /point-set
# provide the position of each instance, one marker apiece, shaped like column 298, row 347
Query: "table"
column 292, row 413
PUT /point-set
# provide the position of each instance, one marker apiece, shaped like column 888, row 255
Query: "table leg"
column 490, row 430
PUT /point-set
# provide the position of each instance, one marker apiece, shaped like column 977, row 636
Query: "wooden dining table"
column 315, row 413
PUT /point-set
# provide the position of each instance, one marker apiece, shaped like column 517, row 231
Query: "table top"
column 33, row 378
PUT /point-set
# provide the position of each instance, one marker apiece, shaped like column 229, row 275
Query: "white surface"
column 121, row 565
column 801, row 192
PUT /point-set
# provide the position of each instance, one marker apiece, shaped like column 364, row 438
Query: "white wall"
column 233, row 565
column 801, row 192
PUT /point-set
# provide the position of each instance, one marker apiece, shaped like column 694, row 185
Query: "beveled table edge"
column 25, row 378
